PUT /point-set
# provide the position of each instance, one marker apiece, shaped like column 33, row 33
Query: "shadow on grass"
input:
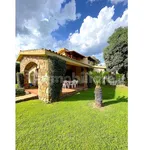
column 118, row 100
column 81, row 96
column 108, row 93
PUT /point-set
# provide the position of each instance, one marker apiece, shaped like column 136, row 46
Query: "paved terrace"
column 33, row 93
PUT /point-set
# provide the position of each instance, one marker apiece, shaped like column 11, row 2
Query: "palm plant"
column 98, row 78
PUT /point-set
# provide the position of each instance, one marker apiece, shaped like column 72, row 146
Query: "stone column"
column 44, row 80
column 85, row 78
column 36, row 77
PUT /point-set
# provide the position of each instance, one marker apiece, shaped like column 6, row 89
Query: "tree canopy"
column 116, row 53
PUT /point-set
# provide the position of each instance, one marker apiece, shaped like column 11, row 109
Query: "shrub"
column 20, row 91
column 17, row 70
column 58, row 69
column 17, row 67
column 20, row 80
column 15, row 78
column 16, row 85
column 115, row 79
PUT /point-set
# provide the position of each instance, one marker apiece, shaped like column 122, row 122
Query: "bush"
column 16, row 85
column 58, row 69
column 17, row 67
column 17, row 70
column 20, row 80
column 115, row 79
column 15, row 78
column 20, row 91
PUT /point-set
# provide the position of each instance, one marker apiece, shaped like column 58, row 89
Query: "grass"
column 73, row 124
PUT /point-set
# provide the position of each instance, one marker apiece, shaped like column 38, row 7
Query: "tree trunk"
column 98, row 96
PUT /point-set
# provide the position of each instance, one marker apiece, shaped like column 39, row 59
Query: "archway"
column 31, row 75
column 40, row 65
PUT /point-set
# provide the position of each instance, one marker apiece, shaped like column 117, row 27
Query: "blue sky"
column 81, row 25
column 86, row 8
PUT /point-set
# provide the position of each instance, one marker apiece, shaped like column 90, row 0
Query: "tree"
column 116, row 53
column 98, row 78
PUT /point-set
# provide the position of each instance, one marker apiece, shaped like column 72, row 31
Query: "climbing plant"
column 57, row 73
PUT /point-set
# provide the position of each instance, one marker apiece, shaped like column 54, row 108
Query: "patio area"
column 65, row 91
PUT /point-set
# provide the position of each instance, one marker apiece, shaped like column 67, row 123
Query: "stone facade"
column 42, row 64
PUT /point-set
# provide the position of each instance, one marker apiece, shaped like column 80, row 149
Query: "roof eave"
column 45, row 52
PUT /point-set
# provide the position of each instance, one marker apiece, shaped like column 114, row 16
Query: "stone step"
column 26, row 97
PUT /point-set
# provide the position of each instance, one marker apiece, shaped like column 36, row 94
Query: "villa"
column 36, row 65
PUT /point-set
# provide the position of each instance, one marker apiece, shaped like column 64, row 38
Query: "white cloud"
column 112, row 1
column 36, row 22
column 94, row 32
column 119, row 1
column 91, row 1
column 37, row 19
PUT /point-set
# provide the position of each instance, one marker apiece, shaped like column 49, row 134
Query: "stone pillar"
column 36, row 77
column 85, row 78
column 44, row 81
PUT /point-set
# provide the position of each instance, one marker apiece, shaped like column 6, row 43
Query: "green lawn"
column 73, row 124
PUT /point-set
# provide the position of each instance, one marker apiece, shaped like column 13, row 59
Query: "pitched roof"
column 62, row 50
column 91, row 58
column 45, row 52
column 69, row 51
column 76, row 53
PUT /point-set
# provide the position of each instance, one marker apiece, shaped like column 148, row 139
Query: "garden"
column 95, row 119
column 74, row 123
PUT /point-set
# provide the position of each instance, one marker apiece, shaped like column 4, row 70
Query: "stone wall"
column 43, row 74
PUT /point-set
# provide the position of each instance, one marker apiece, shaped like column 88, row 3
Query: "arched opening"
column 31, row 77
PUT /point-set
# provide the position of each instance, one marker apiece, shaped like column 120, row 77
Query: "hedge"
column 17, row 67
column 57, row 69
column 20, row 80
column 112, row 80
column 17, row 70
column 20, row 91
